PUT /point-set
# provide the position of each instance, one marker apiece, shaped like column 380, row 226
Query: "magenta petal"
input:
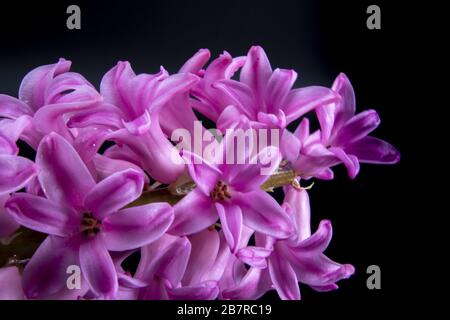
column 155, row 152
column 13, row 129
column 45, row 276
column 171, row 86
column 113, row 82
column 34, row 84
column 346, row 106
column 205, row 109
column 129, row 282
column 137, row 226
column 98, row 268
column 166, row 258
column 301, row 101
column 252, row 174
column 13, row 108
column 42, row 215
column 254, row 256
column 207, row 290
column 205, row 247
column 228, row 118
column 193, row 213
column 139, row 125
column 358, row 127
column 319, row 241
column 262, row 213
column 7, row 223
column 15, row 173
column 114, row 192
column 256, row 73
column 373, row 150
column 252, row 286
column 104, row 114
column 7, row 146
column 11, row 284
column 194, row 64
column 231, row 220
column 105, row 166
column 326, row 116
column 290, row 145
column 297, row 206
column 283, row 277
column 350, row 161
column 239, row 94
column 64, row 177
column 311, row 265
column 278, row 87
column 204, row 174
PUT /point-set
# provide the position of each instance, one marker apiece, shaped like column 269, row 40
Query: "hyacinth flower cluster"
column 109, row 180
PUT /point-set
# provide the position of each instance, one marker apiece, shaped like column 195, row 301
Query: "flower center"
column 89, row 225
column 221, row 191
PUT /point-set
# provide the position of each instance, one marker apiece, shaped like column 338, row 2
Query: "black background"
column 374, row 216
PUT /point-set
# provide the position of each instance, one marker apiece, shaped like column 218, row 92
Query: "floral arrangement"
column 130, row 168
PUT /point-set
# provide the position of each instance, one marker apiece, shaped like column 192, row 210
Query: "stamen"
column 221, row 191
column 89, row 225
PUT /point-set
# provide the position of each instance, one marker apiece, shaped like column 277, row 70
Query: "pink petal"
column 326, row 115
column 155, row 152
column 283, row 277
column 298, row 207
column 262, row 213
column 229, row 117
column 45, row 276
column 13, row 108
column 51, row 117
column 252, row 286
column 205, row 247
column 207, row 290
column 357, row 127
column 278, row 87
column 11, row 284
column 104, row 114
column 231, row 220
column 171, row 86
column 35, row 83
column 15, row 173
column 42, row 215
column 256, row 73
column 239, row 94
column 203, row 173
column 290, row 145
column 303, row 100
column 350, row 161
column 98, row 268
column 64, row 177
column 193, row 213
column 194, row 64
column 254, row 256
column 137, row 226
column 252, row 174
column 7, row 146
column 106, row 166
column 114, row 192
column 319, row 241
column 166, row 258
column 373, row 150
column 7, row 223
column 114, row 86
column 345, row 107
column 13, row 129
